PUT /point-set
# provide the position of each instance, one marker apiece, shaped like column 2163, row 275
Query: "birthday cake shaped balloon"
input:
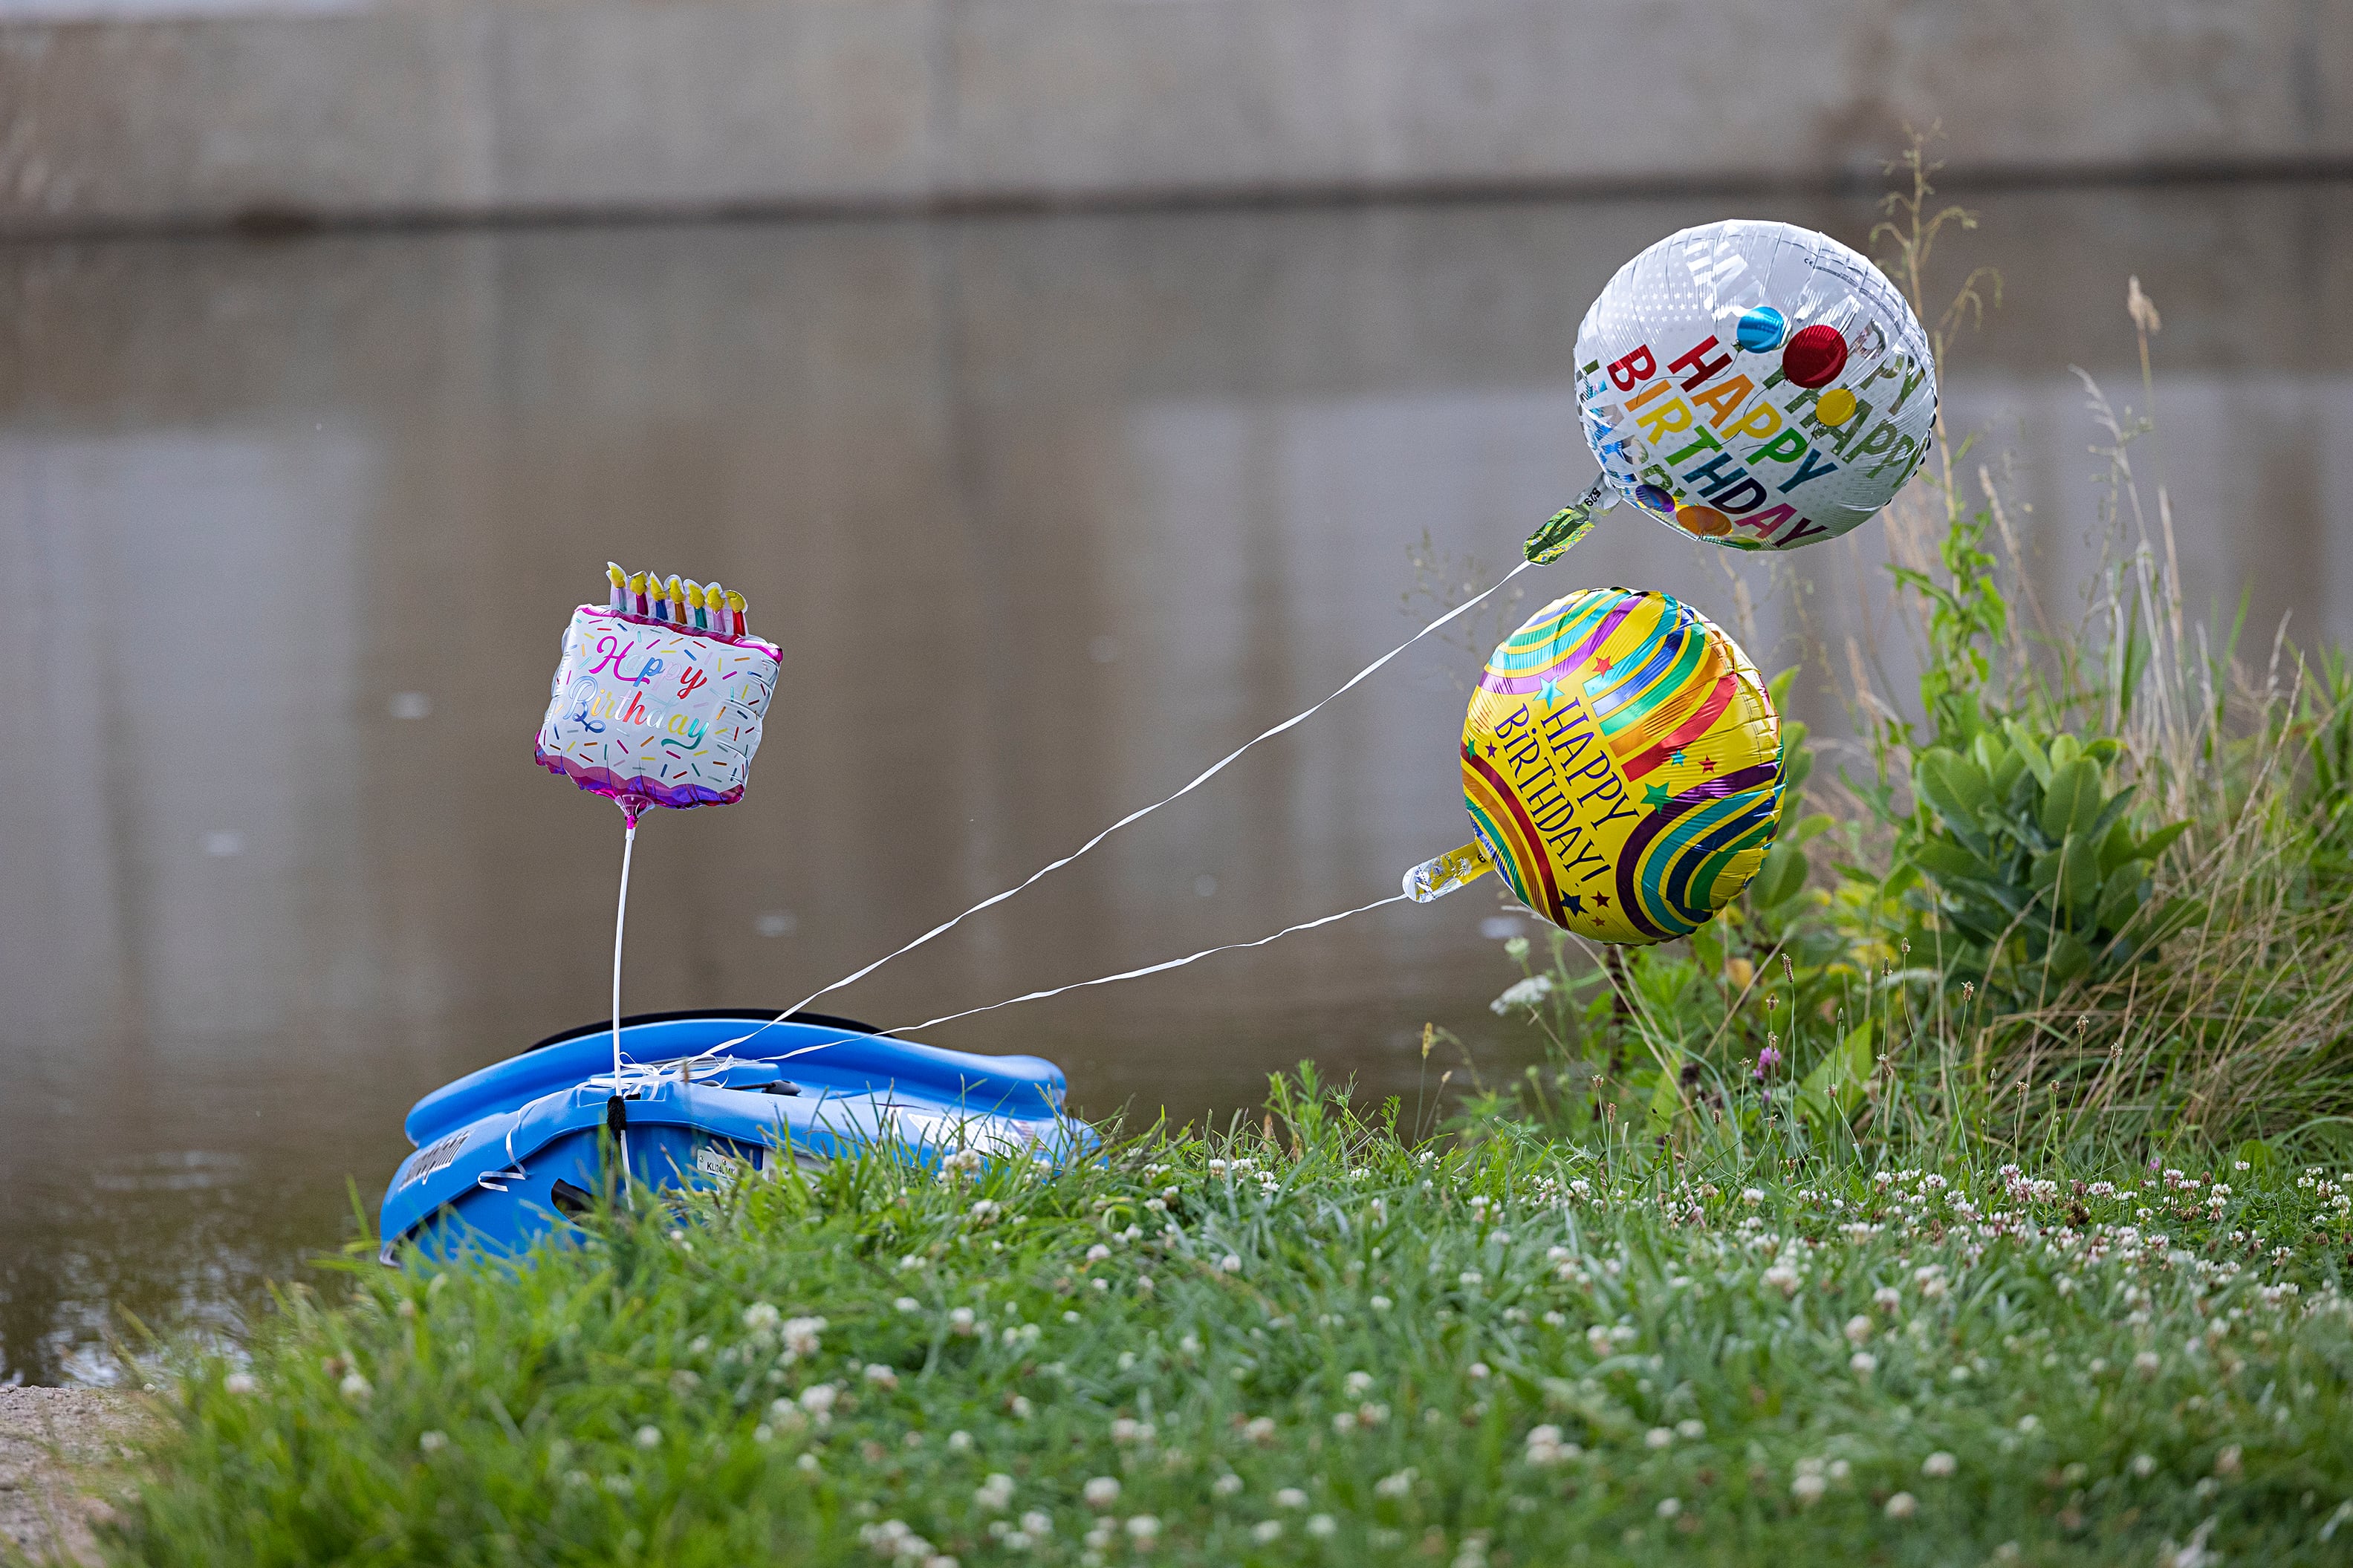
column 659, row 696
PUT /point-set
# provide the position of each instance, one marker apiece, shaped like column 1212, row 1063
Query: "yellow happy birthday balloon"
column 1622, row 762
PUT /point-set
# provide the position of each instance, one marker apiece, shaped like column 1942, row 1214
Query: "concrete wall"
column 462, row 107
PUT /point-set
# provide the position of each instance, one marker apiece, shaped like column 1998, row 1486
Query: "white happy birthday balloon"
column 1756, row 385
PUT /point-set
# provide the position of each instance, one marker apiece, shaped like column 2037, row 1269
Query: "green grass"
column 1319, row 1347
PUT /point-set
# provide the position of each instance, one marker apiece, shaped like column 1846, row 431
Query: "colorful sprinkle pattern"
column 656, row 715
column 1622, row 762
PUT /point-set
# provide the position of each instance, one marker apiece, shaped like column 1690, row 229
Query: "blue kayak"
column 507, row 1154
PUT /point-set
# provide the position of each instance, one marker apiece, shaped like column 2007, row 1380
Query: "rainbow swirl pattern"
column 1622, row 761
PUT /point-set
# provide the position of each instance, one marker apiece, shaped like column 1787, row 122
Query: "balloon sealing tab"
column 1434, row 878
column 1560, row 533
column 1564, row 528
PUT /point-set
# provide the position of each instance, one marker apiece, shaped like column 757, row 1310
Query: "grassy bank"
column 1317, row 1346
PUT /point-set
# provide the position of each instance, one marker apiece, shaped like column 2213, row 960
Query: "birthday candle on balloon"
column 637, row 599
column 677, row 593
column 694, row 606
column 714, row 600
column 736, row 608
column 618, row 600
column 661, row 597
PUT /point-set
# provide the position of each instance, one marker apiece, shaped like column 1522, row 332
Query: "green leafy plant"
column 2038, row 872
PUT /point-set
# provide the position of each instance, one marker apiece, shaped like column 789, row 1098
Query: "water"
column 1046, row 513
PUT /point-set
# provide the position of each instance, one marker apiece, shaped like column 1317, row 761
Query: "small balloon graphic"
column 1815, row 355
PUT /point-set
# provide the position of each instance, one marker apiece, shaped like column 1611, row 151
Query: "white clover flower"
column 807, row 1462
column 648, row 1437
column 2147, row 1363
column 1267, row 1531
column 760, row 1317
column 432, row 1442
column 1290, row 1497
column 995, row 1494
column 818, row 1399
column 239, row 1383
column 1038, row 1522
column 1887, row 1298
column 1226, row 1485
column 1807, row 1488
column 1939, row 1464
column 355, row 1388
column 959, row 1442
column 764, row 1433
column 1481, row 1371
column 1230, row 1264
column 1659, row 1438
column 2144, row 1465
column 1097, row 1253
column 1144, row 1530
column 1863, row 1363
column 1858, row 1330
column 1321, row 1525
column 1752, row 1197
column 1397, row 1485
column 1669, row 1507
column 1525, row 993
column 1101, row 1492
column 2227, row 1462
column 801, row 1336
column 881, row 1377
column 1902, row 1505
column 907, row 1304
column 1691, row 1428
column 1020, row 1406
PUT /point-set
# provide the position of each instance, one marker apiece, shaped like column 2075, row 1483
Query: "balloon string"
column 620, row 924
column 1112, row 979
column 1133, row 817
